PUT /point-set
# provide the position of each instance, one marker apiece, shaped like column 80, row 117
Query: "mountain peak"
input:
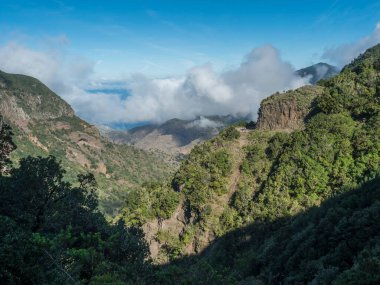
column 318, row 71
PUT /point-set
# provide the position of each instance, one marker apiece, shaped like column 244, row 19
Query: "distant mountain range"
column 173, row 137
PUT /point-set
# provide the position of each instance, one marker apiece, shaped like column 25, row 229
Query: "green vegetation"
column 303, row 96
column 33, row 96
column 124, row 167
column 6, row 146
column 356, row 89
column 306, row 203
column 336, row 243
column 51, row 231
column 203, row 175
column 152, row 201
column 44, row 125
column 260, row 207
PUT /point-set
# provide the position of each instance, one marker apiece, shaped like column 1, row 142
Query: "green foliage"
column 152, row 201
column 305, row 204
column 230, row 133
column 355, row 89
column 51, row 232
column 336, row 243
column 125, row 167
column 6, row 146
column 303, row 97
column 311, row 166
column 203, row 175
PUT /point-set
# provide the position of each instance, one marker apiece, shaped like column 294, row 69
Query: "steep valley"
column 291, row 199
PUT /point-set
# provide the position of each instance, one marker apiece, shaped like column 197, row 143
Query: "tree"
column 52, row 232
column 6, row 146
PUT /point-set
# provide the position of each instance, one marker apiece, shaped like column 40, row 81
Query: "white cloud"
column 321, row 71
column 203, row 122
column 99, row 108
column 201, row 92
column 53, row 67
column 64, row 74
column 344, row 54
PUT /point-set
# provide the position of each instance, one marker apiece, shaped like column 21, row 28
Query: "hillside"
column 335, row 243
column 247, row 197
column 44, row 125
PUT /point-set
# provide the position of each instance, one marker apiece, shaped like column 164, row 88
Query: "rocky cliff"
column 287, row 111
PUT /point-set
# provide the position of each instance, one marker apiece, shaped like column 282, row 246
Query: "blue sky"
column 99, row 42
column 164, row 37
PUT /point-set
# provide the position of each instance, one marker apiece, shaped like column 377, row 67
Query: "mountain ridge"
column 174, row 137
column 45, row 124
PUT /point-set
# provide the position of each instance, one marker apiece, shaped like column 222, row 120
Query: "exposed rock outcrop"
column 174, row 225
column 287, row 111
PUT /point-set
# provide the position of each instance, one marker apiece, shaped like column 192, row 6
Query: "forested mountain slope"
column 291, row 188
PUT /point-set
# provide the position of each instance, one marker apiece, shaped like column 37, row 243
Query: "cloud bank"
column 65, row 74
column 203, row 92
column 200, row 92
column 344, row 54
column 53, row 67
column 203, row 123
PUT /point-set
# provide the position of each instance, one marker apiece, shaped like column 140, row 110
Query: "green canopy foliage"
column 51, row 232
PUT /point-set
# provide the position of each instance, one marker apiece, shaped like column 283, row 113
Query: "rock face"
column 287, row 111
column 174, row 225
